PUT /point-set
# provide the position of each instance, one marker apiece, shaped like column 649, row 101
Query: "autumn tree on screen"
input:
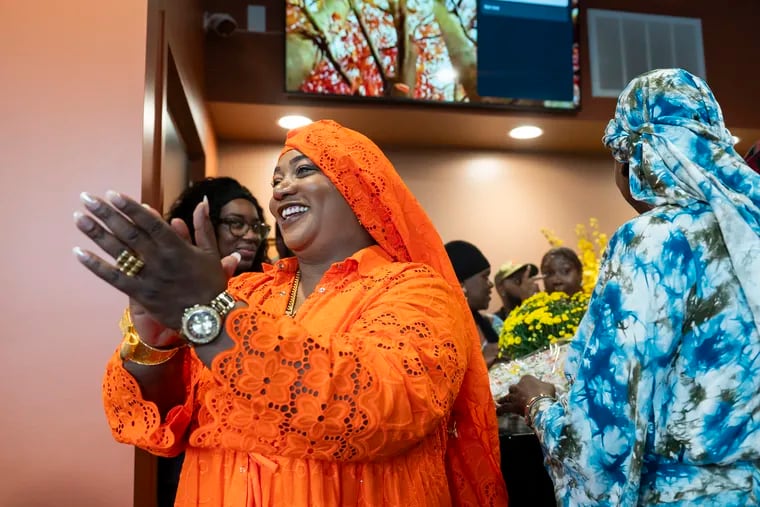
column 422, row 49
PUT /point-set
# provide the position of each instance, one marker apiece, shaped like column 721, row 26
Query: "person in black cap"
column 473, row 271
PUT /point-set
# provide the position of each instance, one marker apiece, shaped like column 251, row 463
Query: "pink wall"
column 71, row 109
column 496, row 200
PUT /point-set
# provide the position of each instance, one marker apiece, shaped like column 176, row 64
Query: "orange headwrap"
column 388, row 210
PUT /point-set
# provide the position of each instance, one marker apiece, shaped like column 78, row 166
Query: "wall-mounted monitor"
column 521, row 54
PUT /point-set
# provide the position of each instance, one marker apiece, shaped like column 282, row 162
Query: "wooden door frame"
column 164, row 92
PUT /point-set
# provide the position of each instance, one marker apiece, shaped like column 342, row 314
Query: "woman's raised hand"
column 528, row 285
column 173, row 275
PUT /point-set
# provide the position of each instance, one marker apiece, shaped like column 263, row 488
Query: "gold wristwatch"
column 202, row 324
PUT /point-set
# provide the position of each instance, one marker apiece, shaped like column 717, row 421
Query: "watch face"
column 201, row 324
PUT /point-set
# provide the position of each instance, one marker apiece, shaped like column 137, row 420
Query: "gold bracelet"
column 531, row 403
column 134, row 350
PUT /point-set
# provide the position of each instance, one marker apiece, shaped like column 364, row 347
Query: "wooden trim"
column 145, row 486
column 146, row 468
column 179, row 107
column 165, row 95
column 155, row 100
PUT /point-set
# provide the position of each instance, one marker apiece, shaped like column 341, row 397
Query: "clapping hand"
column 159, row 269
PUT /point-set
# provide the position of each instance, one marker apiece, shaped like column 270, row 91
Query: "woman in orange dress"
column 349, row 374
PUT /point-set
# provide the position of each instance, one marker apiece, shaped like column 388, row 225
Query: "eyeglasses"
column 239, row 228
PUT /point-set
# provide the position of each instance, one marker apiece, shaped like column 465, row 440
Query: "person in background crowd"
column 236, row 215
column 473, row 272
column 562, row 271
column 514, row 283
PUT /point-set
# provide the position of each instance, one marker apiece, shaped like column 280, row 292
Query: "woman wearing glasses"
column 239, row 225
column 236, row 215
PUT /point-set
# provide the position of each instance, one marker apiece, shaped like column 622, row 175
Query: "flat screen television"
column 499, row 53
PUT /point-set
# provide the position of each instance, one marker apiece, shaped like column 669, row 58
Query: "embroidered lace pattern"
column 389, row 211
column 365, row 390
column 373, row 389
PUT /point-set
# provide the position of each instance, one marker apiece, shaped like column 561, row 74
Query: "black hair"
column 567, row 253
column 219, row 191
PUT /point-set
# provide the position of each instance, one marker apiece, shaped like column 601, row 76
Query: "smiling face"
column 316, row 222
column 236, row 212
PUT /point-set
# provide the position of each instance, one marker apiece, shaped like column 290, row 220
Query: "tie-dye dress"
column 666, row 376
column 664, row 407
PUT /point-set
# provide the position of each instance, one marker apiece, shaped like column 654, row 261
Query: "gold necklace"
column 290, row 310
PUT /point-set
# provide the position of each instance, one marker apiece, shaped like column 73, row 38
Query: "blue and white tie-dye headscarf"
column 669, row 128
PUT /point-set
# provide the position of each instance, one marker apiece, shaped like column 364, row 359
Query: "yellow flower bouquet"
column 540, row 321
column 534, row 340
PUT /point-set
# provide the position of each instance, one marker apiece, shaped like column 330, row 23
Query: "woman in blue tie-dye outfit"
column 664, row 406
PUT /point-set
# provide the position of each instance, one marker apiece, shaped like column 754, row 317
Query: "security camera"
column 220, row 23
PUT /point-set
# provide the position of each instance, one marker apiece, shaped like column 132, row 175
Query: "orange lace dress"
column 347, row 403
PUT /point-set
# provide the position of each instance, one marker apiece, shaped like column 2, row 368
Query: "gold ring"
column 128, row 263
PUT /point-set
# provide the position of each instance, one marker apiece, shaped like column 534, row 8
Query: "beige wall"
column 71, row 109
column 498, row 201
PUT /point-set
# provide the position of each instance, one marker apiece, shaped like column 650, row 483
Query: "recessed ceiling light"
column 525, row 132
column 293, row 121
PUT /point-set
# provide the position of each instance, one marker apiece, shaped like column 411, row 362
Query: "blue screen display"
column 527, row 49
